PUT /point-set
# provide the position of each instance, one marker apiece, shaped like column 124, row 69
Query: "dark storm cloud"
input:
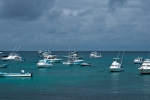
column 83, row 24
column 24, row 9
column 113, row 4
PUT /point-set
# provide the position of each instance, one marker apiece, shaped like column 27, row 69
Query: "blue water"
column 63, row 82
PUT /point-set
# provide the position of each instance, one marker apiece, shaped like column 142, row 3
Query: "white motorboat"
column 44, row 63
column 116, row 65
column 145, row 68
column 39, row 52
column 53, row 59
column 138, row 60
column 68, row 63
column 45, row 54
column 77, row 61
column 3, row 65
column 95, row 55
column 73, row 61
column 22, row 74
column 12, row 57
column 85, row 64
column 74, row 54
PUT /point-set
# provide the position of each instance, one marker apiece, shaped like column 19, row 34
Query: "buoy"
column 22, row 71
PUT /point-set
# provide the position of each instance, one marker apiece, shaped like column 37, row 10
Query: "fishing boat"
column 74, row 54
column 13, row 56
column 52, row 59
column 22, row 74
column 145, row 68
column 95, row 55
column 116, row 65
column 77, row 61
column 45, row 53
column 68, row 63
column 44, row 63
column 138, row 60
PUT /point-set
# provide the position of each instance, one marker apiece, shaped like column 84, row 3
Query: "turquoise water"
column 63, row 82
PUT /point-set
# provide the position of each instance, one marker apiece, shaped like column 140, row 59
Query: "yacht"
column 44, row 63
column 69, row 61
column 138, row 60
column 77, row 61
column 13, row 57
column 95, row 55
column 116, row 65
column 145, row 68
column 75, row 54
column 73, row 61
column 45, row 54
column 52, row 59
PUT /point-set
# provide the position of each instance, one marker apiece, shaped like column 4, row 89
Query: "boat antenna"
column 148, row 56
column 122, row 57
column 69, row 49
column 14, row 49
column 18, row 49
column 74, row 49
column 118, row 54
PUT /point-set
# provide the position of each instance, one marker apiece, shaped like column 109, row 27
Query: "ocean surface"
column 62, row 82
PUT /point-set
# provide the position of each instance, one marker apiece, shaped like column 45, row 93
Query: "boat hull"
column 116, row 69
column 15, row 74
column 44, row 65
column 85, row 64
column 6, row 59
column 138, row 62
column 95, row 56
column 68, row 63
column 144, row 71
column 55, row 61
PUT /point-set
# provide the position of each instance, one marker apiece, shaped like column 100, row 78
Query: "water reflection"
column 115, row 77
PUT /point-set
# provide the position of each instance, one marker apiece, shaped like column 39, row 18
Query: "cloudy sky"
column 103, row 25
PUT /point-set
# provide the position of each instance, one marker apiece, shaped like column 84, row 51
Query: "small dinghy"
column 22, row 74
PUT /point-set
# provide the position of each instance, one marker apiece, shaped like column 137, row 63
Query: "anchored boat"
column 22, row 74
column 116, row 65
